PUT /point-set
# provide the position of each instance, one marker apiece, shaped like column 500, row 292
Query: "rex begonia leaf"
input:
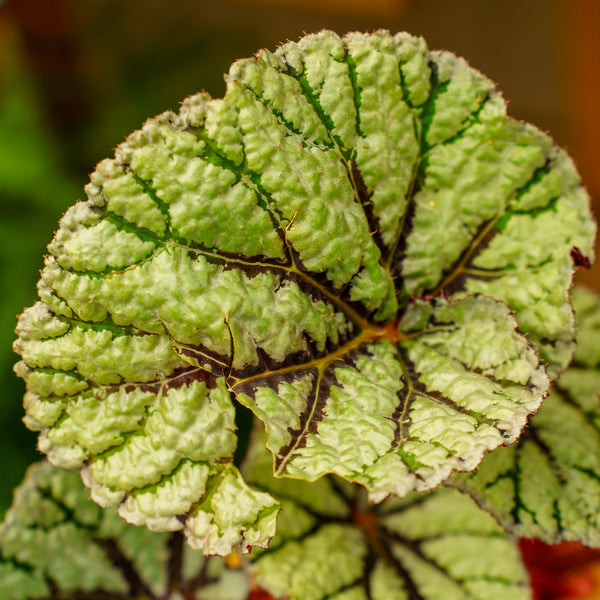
column 56, row 543
column 332, row 544
column 546, row 485
column 161, row 449
column 333, row 242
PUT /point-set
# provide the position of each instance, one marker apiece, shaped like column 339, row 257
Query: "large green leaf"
column 547, row 485
column 331, row 544
column 56, row 543
column 332, row 242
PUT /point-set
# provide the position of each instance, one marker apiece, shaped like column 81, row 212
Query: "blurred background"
column 77, row 76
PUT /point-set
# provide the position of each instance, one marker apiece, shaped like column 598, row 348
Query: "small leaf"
column 333, row 242
column 56, row 543
column 331, row 543
column 546, row 485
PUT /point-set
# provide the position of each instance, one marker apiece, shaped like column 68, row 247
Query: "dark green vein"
column 290, row 127
column 518, row 504
column 108, row 271
column 587, row 471
column 69, row 512
column 414, row 546
column 557, row 514
column 109, row 546
column 153, row 195
column 357, row 583
column 47, row 370
column 535, row 436
column 427, row 113
column 415, row 500
column 273, row 548
column 200, row 580
column 107, row 324
column 418, row 388
column 315, row 104
column 471, row 120
column 145, row 235
column 307, row 508
column 387, row 541
column 17, row 564
column 569, row 399
column 356, row 90
column 212, row 154
column 393, row 261
column 406, row 97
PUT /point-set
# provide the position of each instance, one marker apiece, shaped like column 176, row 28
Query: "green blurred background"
column 76, row 76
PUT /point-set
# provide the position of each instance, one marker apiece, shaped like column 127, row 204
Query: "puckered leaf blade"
column 485, row 184
column 106, row 399
column 546, row 484
column 401, row 417
column 275, row 242
column 427, row 546
column 56, row 543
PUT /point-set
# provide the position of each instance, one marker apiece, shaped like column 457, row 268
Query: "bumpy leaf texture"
column 547, row 485
column 351, row 243
column 331, row 544
column 56, row 543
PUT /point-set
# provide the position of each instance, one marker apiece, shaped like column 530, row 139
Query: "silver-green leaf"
column 397, row 417
column 158, row 445
column 335, row 244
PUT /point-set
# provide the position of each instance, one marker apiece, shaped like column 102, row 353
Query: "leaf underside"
column 546, row 485
column 351, row 243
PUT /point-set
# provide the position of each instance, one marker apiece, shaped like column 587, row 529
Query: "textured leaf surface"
column 161, row 449
column 395, row 418
column 547, row 484
column 331, row 544
column 56, row 543
column 293, row 243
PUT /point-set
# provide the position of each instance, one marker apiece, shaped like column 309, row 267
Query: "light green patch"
column 317, row 60
column 115, row 188
column 388, row 147
column 158, row 506
column 77, row 249
column 98, row 422
column 333, row 556
column 185, row 423
column 231, row 514
column 468, row 182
